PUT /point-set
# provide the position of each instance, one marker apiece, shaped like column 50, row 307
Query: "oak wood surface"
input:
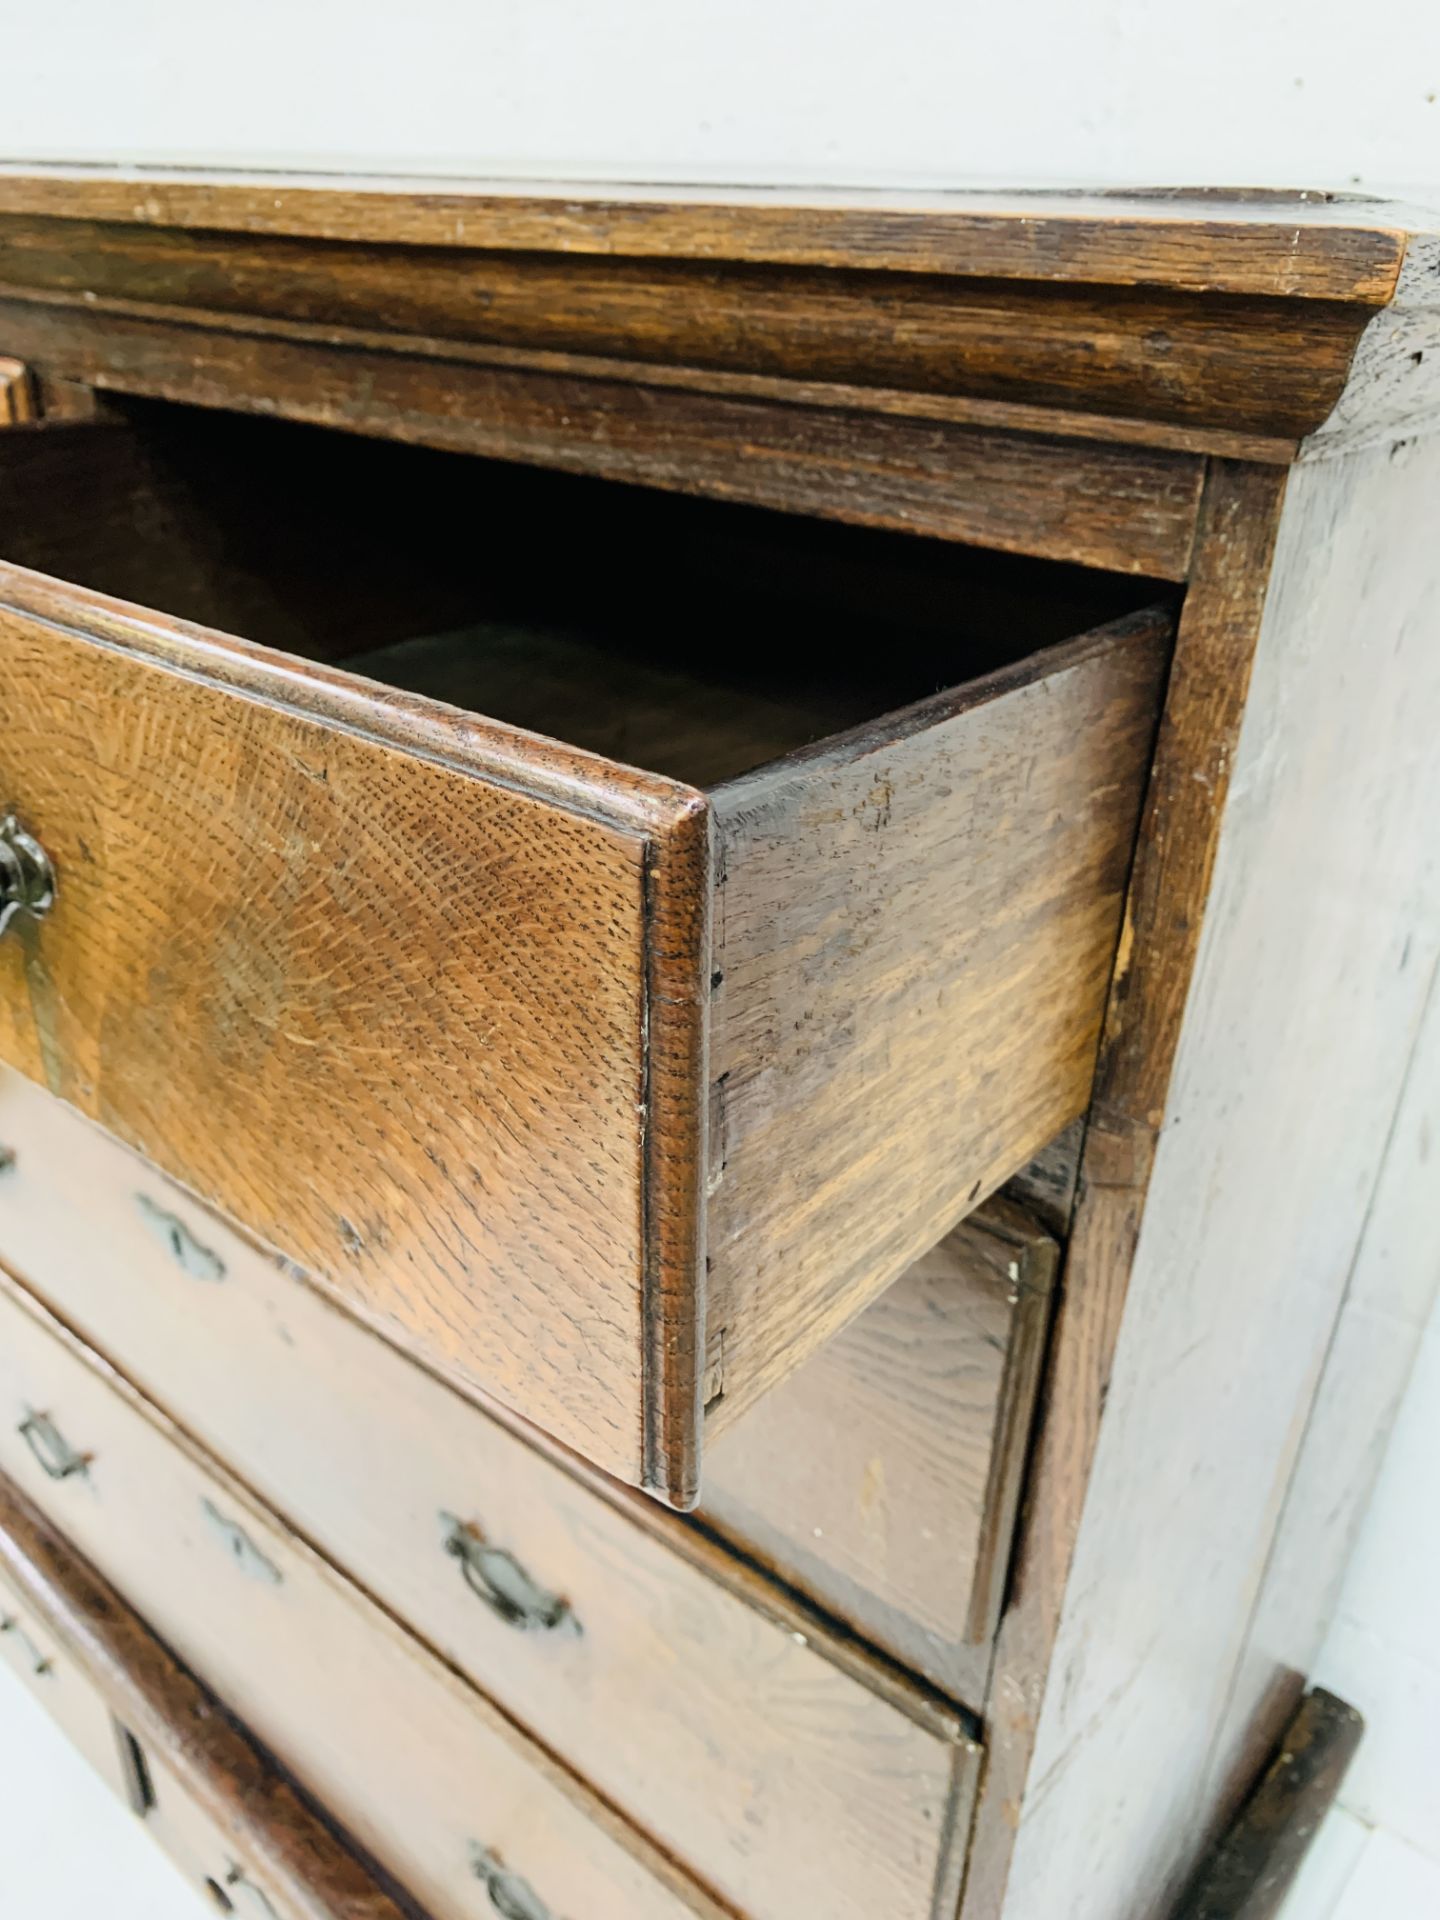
column 1295, row 1039
column 852, row 1122
column 389, row 1013
column 677, row 1685
column 1356, row 560
column 1164, row 912
column 883, row 1475
column 1336, row 248
column 412, row 1761
column 198, row 1751
column 1099, row 504
column 17, row 393
column 1257, row 364
column 322, row 898
column 902, row 360
column 1207, row 248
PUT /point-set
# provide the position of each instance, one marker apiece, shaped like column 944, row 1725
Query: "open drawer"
column 612, row 1092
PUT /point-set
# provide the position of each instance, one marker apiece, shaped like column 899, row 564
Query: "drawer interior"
column 687, row 1077
column 690, row 638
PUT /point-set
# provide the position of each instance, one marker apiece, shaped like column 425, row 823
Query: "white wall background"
column 1328, row 93
column 1337, row 94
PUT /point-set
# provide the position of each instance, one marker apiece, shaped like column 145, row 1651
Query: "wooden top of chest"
column 1207, row 324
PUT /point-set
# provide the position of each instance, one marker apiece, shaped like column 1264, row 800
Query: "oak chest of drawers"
column 688, row 1062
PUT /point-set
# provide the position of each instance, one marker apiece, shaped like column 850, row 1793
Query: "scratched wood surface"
column 683, row 1687
column 1335, row 249
column 414, row 1763
column 883, row 1476
column 1321, row 922
column 1237, row 361
column 206, row 1792
column 869, row 1089
column 324, row 898
column 1175, row 854
column 1031, row 303
column 975, row 478
column 385, row 1010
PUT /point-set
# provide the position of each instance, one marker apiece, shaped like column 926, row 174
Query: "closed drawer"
column 213, row 1800
column 613, row 1092
column 29, row 1649
column 199, row 1847
column 884, row 1476
column 436, row 1785
column 723, row 1721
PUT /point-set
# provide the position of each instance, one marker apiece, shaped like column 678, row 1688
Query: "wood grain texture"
column 1393, row 389
column 17, row 393
column 866, row 892
column 1268, row 366
column 884, row 1475
column 1322, row 919
column 418, row 1767
column 1164, row 912
column 879, row 355
column 1254, row 1866
column 497, row 948
column 388, row 1011
column 1203, row 242
column 723, row 1718
column 288, row 1852
column 1100, row 504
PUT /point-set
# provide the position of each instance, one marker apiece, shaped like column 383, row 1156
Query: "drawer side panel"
column 914, row 935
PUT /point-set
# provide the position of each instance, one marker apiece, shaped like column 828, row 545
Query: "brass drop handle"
column 27, row 879
column 58, row 1459
column 497, row 1578
column 511, row 1897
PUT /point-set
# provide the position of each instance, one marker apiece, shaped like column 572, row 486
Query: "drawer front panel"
column 621, row 1637
column 32, row 1652
column 217, row 1803
column 884, row 1476
column 386, row 1011
column 205, row 1853
column 431, row 1781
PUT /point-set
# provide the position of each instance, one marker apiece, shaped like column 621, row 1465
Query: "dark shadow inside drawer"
column 603, row 936
column 692, row 639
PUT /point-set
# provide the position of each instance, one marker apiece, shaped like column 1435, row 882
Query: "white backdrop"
column 1254, row 92
column 1322, row 93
